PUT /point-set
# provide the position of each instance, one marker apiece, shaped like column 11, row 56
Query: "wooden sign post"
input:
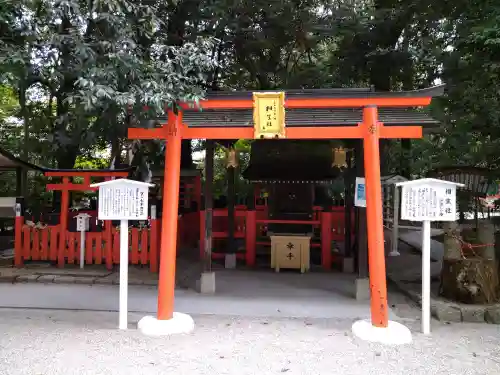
column 82, row 226
column 428, row 200
column 123, row 200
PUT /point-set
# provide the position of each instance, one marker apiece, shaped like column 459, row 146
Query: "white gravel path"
column 44, row 342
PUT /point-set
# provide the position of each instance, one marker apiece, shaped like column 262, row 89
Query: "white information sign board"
column 360, row 192
column 123, row 200
column 428, row 200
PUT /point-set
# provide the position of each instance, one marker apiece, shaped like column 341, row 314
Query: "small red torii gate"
column 65, row 187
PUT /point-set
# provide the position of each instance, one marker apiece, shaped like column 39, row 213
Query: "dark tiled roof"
column 307, row 117
column 332, row 93
column 476, row 179
column 9, row 161
column 194, row 117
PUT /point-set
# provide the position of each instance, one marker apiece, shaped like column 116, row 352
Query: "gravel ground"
column 44, row 342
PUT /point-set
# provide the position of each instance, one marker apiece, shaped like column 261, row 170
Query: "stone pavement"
column 239, row 293
column 92, row 274
column 187, row 272
column 414, row 239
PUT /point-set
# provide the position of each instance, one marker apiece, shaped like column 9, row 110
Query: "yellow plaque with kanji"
column 269, row 115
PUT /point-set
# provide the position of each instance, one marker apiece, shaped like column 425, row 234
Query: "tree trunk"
column 25, row 116
column 466, row 276
column 65, row 160
column 471, row 281
column 116, row 153
column 486, row 237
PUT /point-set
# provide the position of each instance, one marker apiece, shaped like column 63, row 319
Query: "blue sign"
column 360, row 192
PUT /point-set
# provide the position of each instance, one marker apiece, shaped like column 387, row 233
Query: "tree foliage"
column 81, row 71
column 96, row 64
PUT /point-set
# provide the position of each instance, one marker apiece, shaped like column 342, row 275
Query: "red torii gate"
column 370, row 130
column 65, row 187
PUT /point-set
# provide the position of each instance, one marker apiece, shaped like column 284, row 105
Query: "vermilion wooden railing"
column 42, row 244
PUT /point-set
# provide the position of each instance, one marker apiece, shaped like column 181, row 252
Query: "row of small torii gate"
column 371, row 116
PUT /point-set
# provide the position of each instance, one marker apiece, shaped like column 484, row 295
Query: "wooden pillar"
column 63, row 222
column 197, row 191
column 376, row 253
column 256, row 194
column 108, row 249
column 168, row 246
column 209, row 204
column 348, row 181
column 251, row 233
column 326, row 238
column 202, row 234
column 108, row 238
column 360, row 218
column 231, row 197
column 18, row 236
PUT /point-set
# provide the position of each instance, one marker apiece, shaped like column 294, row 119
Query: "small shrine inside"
column 298, row 179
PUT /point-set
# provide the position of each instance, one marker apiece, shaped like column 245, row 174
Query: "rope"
column 469, row 246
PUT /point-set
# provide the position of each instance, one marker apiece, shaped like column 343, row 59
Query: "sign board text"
column 269, row 114
column 123, row 202
column 433, row 202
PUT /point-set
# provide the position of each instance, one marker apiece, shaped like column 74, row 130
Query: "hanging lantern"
column 232, row 158
column 339, row 157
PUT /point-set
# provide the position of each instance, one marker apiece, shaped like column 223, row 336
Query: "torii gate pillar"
column 374, row 218
column 380, row 328
column 167, row 321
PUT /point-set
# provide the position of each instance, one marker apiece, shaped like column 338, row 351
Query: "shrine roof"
column 312, row 117
column 9, row 161
column 320, row 107
column 334, row 93
column 476, row 179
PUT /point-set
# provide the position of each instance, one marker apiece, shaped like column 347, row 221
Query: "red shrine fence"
column 42, row 243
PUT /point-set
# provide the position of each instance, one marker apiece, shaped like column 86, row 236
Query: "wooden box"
column 290, row 251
